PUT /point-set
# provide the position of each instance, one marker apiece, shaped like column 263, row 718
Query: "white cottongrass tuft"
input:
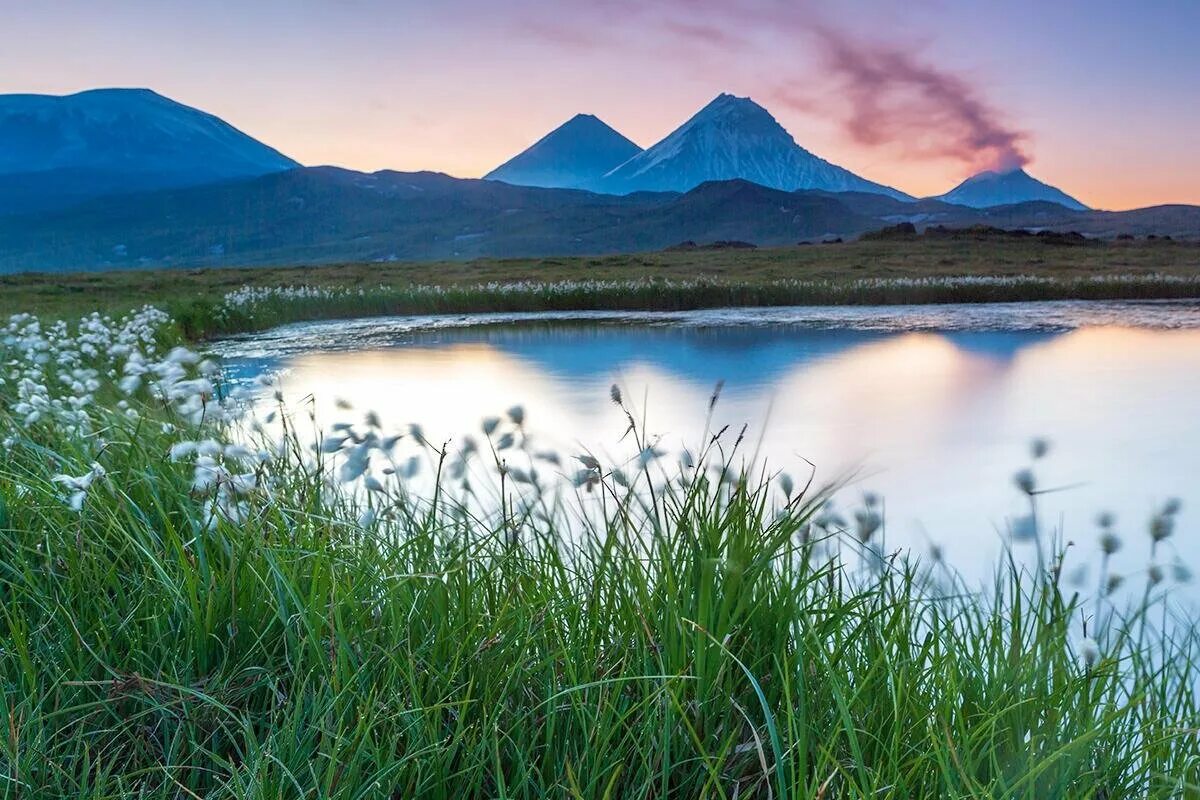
column 1089, row 652
column 1024, row 528
column 1161, row 527
column 867, row 522
column 1039, row 447
column 79, row 486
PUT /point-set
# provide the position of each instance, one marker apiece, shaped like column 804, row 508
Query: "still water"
column 932, row 407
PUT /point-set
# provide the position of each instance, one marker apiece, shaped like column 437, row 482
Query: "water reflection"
column 936, row 422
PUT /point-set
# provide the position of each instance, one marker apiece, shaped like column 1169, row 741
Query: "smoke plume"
column 881, row 95
column 891, row 98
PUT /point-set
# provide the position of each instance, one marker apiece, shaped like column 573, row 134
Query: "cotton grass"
column 245, row 603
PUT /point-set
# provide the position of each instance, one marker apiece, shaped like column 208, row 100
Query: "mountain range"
column 731, row 138
column 114, row 178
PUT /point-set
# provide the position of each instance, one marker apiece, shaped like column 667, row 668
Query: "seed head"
column 1025, row 481
column 1039, row 447
column 867, row 523
column 517, row 415
column 1024, row 528
column 1161, row 527
column 1089, row 652
column 648, row 455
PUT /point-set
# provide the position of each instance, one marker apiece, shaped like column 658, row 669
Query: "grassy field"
column 197, row 603
column 191, row 609
column 758, row 271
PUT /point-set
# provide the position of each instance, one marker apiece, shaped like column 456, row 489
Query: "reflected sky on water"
column 932, row 407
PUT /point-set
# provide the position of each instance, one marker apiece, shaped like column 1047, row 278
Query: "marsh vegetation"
column 205, row 596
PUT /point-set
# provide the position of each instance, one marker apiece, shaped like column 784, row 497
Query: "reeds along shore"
column 252, row 308
column 207, row 594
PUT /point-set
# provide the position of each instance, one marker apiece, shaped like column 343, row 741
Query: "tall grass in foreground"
column 258, row 308
column 701, row 639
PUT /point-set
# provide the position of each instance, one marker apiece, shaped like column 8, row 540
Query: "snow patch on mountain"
column 990, row 188
column 572, row 156
column 730, row 138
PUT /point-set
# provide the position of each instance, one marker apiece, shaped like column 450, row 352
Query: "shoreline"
column 352, row 333
column 859, row 273
column 253, row 310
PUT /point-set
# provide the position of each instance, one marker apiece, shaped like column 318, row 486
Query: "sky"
column 1099, row 98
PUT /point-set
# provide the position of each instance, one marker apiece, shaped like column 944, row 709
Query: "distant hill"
column 988, row 189
column 574, row 155
column 323, row 215
column 319, row 215
column 57, row 151
column 733, row 138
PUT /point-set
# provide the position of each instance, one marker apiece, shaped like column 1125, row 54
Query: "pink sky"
column 1098, row 96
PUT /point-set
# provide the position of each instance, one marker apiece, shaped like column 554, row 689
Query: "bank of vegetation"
column 205, row 593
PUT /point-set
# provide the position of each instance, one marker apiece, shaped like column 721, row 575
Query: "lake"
column 932, row 407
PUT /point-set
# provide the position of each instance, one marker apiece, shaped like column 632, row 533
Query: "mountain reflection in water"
column 936, row 422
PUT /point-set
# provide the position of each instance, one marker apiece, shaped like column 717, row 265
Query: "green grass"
column 694, row 636
column 271, row 308
column 733, row 277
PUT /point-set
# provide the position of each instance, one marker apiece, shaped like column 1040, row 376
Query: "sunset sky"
column 1100, row 97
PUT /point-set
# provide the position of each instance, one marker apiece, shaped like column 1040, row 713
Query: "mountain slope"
column 731, row 138
column 59, row 150
column 323, row 215
column 572, row 156
column 989, row 189
column 320, row 215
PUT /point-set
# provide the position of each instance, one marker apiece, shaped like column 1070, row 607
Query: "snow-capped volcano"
column 1005, row 188
column 133, row 132
column 572, row 156
column 734, row 137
